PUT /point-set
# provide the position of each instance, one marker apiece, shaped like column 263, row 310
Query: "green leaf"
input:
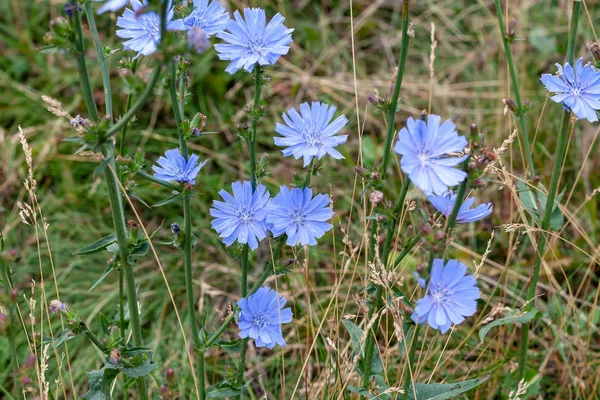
column 234, row 346
column 359, row 390
column 105, row 323
column 443, row 391
column 98, row 245
column 168, row 200
column 537, row 206
column 107, row 271
column 138, row 371
column 139, row 198
column 141, row 249
column 513, row 318
column 223, row 392
column 101, row 167
column 356, row 335
column 100, row 382
column 66, row 335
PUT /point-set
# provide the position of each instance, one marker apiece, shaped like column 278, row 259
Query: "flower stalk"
column 549, row 207
column 520, row 111
column 178, row 111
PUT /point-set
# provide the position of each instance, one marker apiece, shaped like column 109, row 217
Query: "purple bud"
column 57, row 307
column 198, row 40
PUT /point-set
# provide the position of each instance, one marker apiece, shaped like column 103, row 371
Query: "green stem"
column 94, row 339
column 187, row 230
column 7, row 283
column 412, row 243
column 89, row 12
column 122, row 305
column 390, row 233
column 189, row 291
column 396, row 94
column 517, row 93
column 255, row 118
column 252, row 149
column 560, row 153
column 462, row 190
column 137, row 105
column 86, row 87
column 118, row 215
column 554, row 178
column 127, row 108
column 410, row 365
column 151, row 178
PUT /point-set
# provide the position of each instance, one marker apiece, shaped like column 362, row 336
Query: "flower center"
column 441, row 295
column 298, row 216
column 244, row 215
column 260, row 320
column 312, row 136
column 423, row 159
column 151, row 23
column 257, row 44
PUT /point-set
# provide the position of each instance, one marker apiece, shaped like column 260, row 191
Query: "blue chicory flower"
column 450, row 297
column 198, row 40
column 174, row 167
column 57, row 307
column 252, row 40
column 210, row 16
column 445, row 205
column 143, row 28
column 300, row 216
column 425, row 149
column 242, row 216
column 578, row 91
column 112, row 5
column 311, row 133
column 261, row 316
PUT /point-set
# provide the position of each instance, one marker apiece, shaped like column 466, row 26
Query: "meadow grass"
column 342, row 51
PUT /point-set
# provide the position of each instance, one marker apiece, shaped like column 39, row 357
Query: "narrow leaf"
column 443, row 391
column 521, row 318
column 98, row 245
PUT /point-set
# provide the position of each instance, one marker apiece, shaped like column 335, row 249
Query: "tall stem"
column 410, row 364
column 187, row 227
column 517, row 93
column 245, row 255
column 122, row 304
column 86, row 87
column 118, row 215
column 554, row 178
column 89, row 12
column 396, row 94
column 390, row 234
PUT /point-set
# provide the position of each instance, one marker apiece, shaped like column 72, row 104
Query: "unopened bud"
column 594, row 48
column 115, row 356
column 164, row 389
column 30, row 361
column 70, row 9
column 426, row 229
column 360, row 171
column 131, row 224
column 12, row 294
column 421, row 268
column 175, row 229
column 170, row 375
column 373, row 99
column 512, row 106
column 57, row 307
column 512, row 29
column 198, row 40
column 474, row 129
column 25, row 381
column 478, row 183
column 375, row 176
column 439, row 235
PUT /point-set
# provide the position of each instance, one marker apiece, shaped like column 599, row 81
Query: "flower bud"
column 57, row 307
column 512, row 30
column 376, row 197
column 170, row 375
column 512, row 106
column 594, row 48
column 71, row 8
column 373, row 99
column 25, row 381
column 30, row 361
column 198, row 40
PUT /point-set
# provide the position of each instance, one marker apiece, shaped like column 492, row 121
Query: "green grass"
column 327, row 284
